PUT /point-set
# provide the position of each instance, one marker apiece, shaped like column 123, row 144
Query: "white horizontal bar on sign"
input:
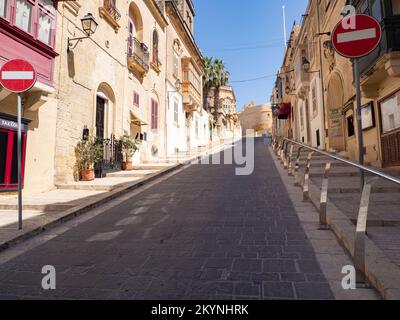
column 356, row 35
column 17, row 75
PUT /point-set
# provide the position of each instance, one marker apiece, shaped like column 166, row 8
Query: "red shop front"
column 8, row 151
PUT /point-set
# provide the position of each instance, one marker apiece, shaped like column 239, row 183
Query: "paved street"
column 204, row 233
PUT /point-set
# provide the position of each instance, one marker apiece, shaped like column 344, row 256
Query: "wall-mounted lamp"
column 89, row 26
column 307, row 66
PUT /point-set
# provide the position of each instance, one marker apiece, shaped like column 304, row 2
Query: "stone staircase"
column 344, row 193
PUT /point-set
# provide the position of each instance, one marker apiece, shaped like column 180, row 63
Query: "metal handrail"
column 280, row 146
column 350, row 162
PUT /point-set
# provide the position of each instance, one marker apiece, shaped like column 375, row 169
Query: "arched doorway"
column 335, row 116
column 105, row 111
column 105, row 129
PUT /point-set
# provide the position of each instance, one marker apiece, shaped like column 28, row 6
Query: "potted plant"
column 89, row 152
column 128, row 147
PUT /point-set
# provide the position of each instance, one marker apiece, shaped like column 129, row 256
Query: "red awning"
column 285, row 111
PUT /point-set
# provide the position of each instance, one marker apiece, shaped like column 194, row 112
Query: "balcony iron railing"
column 139, row 52
column 110, row 7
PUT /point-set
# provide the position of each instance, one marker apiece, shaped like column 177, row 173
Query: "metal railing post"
column 324, row 198
column 290, row 165
column 306, row 191
column 286, row 160
column 281, row 150
column 296, row 168
column 359, row 243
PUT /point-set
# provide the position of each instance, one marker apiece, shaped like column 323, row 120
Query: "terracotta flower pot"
column 87, row 175
column 127, row 166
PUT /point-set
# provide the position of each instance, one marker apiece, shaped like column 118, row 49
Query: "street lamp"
column 307, row 66
column 89, row 26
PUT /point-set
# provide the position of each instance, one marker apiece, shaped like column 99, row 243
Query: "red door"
column 9, row 159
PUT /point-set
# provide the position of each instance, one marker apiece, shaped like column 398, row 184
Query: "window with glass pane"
column 3, row 8
column 23, row 16
column 45, row 28
column 48, row 5
column 390, row 113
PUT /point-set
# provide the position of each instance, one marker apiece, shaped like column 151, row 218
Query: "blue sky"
column 248, row 36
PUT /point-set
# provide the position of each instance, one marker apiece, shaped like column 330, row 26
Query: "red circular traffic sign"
column 17, row 76
column 356, row 36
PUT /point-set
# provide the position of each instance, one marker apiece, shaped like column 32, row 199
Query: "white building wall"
column 175, row 131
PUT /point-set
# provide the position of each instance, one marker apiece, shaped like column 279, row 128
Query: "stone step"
column 131, row 174
column 352, row 185
column 106, row 184
column 384, row 208
column 152, row 166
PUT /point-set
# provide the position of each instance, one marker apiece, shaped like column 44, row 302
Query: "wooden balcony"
column 191, row 86
column 110, row 13
column 138, row 58
column 384, row 61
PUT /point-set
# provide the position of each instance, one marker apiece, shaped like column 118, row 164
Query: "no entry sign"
column 17, row 76
column 356, row 36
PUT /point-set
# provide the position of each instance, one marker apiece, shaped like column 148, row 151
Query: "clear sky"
column 248, row 36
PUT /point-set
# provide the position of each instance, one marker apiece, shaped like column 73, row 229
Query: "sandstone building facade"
column 139, row 74
column 318, row 85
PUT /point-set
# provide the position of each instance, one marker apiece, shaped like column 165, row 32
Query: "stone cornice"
column 155, row 10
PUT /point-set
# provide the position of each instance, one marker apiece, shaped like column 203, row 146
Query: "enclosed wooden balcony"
column 384, row 61
column 191, row 86
column 138, row 58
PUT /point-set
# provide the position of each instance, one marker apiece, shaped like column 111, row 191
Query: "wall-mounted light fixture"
column 89, row 26
column 307, row 66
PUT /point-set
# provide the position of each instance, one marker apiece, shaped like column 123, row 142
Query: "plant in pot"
column 128, row 147
column 89, row 152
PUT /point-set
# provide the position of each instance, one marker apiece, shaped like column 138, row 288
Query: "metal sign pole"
column 19, row 161
column 359, row 119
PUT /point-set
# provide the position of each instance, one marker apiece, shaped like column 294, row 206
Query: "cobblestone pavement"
column 204, row 233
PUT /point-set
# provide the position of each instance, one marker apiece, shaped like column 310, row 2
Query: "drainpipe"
column 321, row 73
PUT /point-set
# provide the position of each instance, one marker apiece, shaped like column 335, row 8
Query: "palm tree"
column 215, row 76
column 208, row 77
